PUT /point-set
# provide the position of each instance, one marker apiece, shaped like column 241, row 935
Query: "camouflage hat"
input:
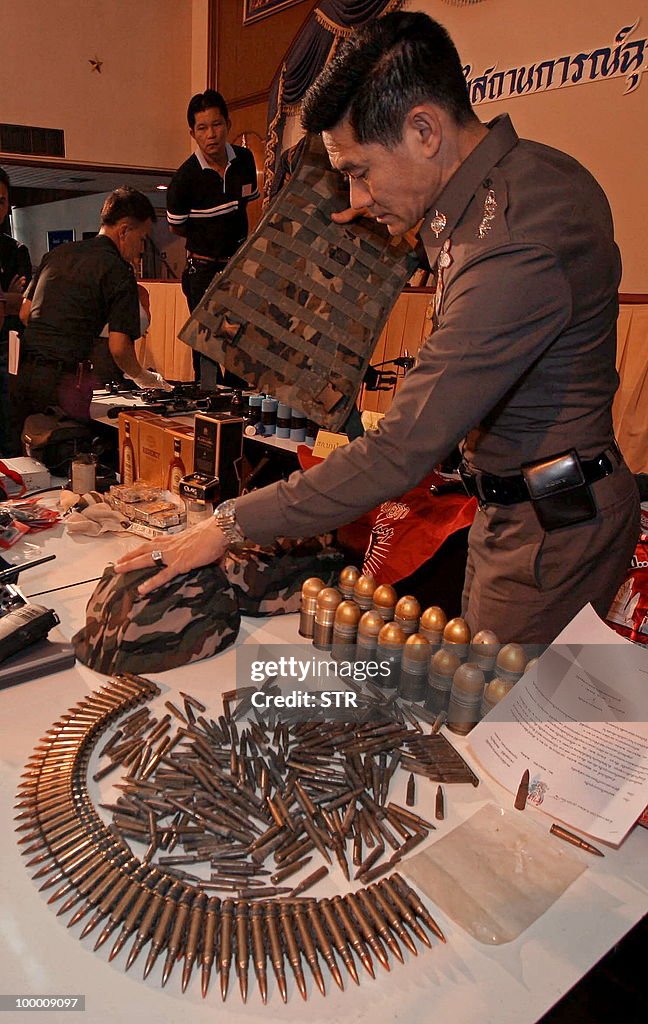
column 191, row 617
column 299, row 308
column 268, row 580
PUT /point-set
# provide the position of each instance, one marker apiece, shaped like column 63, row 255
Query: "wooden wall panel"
column 248, row 55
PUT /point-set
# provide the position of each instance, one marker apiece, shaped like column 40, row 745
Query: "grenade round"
column 325, row 607
column 443, row 666
column 384, row 601
column 347, row 581
column 456, row 636
column 363, row 591
column 369, row 627
column 433, row 622
column 511, row 662
column 389, row 649
column 309, row 591
column 345, row 631
column 464, row 708
column 414, row 668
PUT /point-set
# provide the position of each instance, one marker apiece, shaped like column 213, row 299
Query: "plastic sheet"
column 495, row 874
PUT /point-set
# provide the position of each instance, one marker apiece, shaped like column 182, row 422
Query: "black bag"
column 53, row 438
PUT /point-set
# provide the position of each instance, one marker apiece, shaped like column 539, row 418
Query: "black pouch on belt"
column 559, row 492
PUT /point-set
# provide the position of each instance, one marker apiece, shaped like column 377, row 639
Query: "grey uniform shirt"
column 522, row 361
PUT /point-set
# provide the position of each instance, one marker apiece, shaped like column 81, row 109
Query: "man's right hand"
column 150, row 379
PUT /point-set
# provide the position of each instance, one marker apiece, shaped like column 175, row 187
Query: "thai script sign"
column 626, row 58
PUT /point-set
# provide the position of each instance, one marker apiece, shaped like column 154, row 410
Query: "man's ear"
column 425, row 123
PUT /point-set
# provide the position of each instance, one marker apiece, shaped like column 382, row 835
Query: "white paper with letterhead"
column 579, row 722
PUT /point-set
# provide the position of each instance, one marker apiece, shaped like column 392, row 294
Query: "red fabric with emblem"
column 398, row 536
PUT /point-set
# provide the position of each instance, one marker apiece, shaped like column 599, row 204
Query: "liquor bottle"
column 127, row 468
column 176, row 467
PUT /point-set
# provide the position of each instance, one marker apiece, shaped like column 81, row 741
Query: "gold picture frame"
column 254, row 10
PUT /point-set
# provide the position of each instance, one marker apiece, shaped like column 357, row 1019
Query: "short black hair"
column 381, row 72
column 4, row 178
column 126, row 202
column 205, row 101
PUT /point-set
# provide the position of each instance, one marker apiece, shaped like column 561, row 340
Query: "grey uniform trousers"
column 526, row 584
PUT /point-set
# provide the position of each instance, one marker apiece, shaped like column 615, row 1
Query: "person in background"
column 15, row 272
column 77, row 289
column 521, row 362
column 207, row 203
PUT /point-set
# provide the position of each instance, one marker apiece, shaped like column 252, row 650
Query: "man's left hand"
column 199, row 545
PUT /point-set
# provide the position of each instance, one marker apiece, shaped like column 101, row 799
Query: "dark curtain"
column 331, row 21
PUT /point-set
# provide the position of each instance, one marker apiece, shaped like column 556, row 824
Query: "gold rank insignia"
column 438, row 223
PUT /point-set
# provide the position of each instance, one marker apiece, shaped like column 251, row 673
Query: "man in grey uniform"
column 521, row 363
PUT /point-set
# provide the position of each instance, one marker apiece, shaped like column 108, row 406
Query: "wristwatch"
column 225, row 516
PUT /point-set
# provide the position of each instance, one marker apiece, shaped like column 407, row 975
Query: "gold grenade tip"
column 391, row 633
column 512, row 658
column 434, row 619
column 469, row 678
column 445, row 663
column 407, row 608
column 417, row 647
column 370, row 623
column 496, row 689
column 347, row 613
column 384, row 596
column 349, row 575
column 457, row 631
column 312, row 586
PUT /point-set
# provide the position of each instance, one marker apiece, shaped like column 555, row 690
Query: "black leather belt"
column 510, row 490
column 57, row 364
column 206, row 261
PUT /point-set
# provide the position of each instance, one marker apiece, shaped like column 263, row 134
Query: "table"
column 462, row 983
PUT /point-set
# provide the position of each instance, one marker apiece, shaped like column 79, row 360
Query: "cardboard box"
column 133, row 420
column 150, row 445
column 218, row 450
column 185, row 437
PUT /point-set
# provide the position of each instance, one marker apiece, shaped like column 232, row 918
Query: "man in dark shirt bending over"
column 78, row 288
column 207, row 204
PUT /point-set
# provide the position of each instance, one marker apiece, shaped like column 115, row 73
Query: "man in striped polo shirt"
column 207, row 204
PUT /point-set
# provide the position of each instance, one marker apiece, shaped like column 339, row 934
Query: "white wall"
column 131, row 114
column 31, row 223
column 594, row 122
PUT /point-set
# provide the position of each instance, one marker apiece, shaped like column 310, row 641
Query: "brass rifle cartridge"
column 196, row 918
column 258, row 949
column 135, row 913
column 243, row 946
column 391, row 916
column 148, row 920
column 379, row 922
column 323, row 942
column 339, row 940
column 412, row 898
column 164, row 924
column 403, row 909
column 174, row 945
column 309, row 881
column 276, row 953
column 208, row 951
column 292, row 949
column 366, row 928
column 225, row 952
